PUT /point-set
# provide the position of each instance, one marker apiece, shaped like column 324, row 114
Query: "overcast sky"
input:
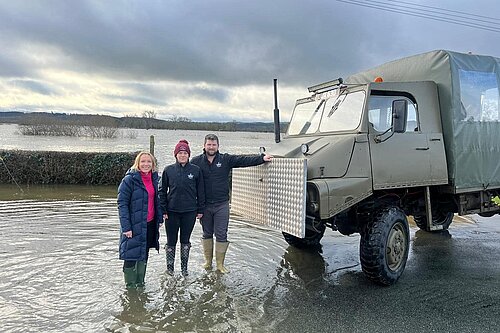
column 213, row 60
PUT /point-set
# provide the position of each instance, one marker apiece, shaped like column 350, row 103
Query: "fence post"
column 152, row 144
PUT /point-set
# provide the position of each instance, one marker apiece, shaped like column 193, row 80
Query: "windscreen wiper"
column 336, row 105
column 308, row 123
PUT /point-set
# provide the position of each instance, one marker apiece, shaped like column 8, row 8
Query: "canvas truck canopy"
column 468, row 88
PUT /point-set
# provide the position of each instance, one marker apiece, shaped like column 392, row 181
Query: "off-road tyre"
column 439, row 218
column 311, row 241
column 384, row 246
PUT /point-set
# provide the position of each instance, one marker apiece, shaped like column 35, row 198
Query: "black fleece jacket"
column 182, row 189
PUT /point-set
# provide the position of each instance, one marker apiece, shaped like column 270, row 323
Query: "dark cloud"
column 231, row 43
column 10, row 67
column 151, row 90
column 216, row 94
column 137, row 99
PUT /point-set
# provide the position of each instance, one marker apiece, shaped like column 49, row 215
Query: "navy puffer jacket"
column 133, row 213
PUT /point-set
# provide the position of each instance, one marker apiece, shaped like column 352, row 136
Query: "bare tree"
column 101, row 128
column 149, row 118
column 178, row 119
column 95, row 127
column 150, row 114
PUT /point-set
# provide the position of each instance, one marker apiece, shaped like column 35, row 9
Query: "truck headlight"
column 304, row 148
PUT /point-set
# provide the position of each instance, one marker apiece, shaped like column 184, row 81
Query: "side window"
column 380, row 113
column 412, row 123
column 479, row 95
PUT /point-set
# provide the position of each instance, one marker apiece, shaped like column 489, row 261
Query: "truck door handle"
column 435, row 139
column 422, row 148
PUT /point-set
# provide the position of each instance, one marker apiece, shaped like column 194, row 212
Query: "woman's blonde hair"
column 135, row 166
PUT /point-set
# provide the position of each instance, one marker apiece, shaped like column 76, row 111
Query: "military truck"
column 414, row 137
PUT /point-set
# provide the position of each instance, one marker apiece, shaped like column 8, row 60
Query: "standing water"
column 59, row 267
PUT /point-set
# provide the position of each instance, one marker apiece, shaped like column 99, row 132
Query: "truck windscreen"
column 340, row 112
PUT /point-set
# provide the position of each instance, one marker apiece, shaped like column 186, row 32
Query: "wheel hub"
column 396, row 245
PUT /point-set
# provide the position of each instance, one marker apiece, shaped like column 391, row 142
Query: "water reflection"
column 434, row 252
column 134, row 313
column 203, row 304
column 200, row 304
column 60, row 272
column 308, row 266
column 424, row 238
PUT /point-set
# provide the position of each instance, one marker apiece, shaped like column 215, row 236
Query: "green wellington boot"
column 130, row 275
column 141, row 273
column 208, row 251
column 220, row 255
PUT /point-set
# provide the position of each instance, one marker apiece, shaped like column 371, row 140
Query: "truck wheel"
column 384, row 246
column 311, row 241
column 438, row 218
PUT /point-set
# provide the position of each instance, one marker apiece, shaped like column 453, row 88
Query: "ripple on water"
column 60, row 272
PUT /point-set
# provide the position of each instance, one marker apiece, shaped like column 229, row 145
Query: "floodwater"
column 59, row 272
column 165, row 141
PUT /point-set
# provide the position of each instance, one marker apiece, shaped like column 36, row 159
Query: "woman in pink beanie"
column 182, row 199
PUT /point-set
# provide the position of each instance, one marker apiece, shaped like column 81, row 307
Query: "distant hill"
column 11, row 117
column 28, row 118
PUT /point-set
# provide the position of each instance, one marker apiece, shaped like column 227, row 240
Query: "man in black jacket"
column 216, row 168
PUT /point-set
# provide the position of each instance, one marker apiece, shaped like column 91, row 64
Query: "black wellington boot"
column 170, row 252
column 185, row 258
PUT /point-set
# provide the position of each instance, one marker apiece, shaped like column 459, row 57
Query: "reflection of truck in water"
column 417, row 136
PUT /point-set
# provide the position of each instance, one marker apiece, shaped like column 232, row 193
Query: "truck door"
column 398, row 159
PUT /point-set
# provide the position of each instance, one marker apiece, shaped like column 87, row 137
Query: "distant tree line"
column 43, row 123
column 94, row 127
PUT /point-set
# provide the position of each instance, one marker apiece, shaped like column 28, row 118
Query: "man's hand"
column 128, row 234
column 165, row 216
column 267, row 158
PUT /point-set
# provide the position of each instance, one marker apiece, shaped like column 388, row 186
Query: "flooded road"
column 59, row 267
column 60, row 272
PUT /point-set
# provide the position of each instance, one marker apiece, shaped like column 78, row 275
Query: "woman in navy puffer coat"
column 140, row 218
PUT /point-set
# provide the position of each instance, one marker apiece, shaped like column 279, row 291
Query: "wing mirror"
column 399, row 115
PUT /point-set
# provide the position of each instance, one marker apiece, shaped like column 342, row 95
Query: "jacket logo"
column 190, row 176
column 219, row 164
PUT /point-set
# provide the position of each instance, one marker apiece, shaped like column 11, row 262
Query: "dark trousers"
column 179, row 221
column 150, row 243
column 215, row 220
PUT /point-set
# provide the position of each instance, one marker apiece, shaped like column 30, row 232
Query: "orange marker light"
column 378, row 79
